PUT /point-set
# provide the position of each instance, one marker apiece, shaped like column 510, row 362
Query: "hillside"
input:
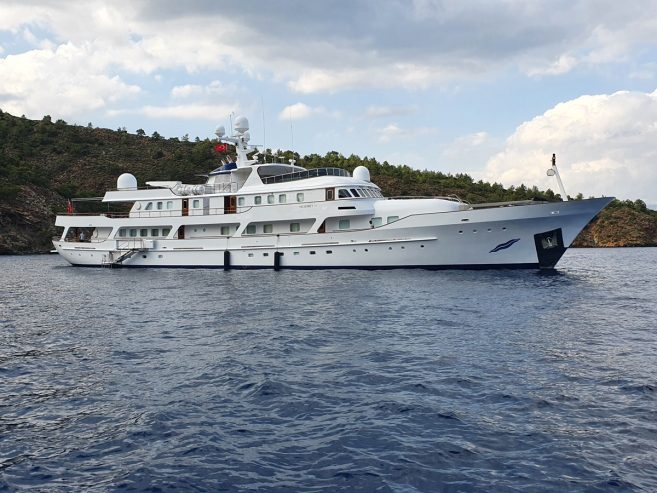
column 42, row 163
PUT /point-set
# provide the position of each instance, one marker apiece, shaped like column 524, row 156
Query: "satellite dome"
column 220, row 131
column 362, row 173
column 126, row 181
column 241, row 124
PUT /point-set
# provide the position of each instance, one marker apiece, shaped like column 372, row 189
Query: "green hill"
column 42, row 163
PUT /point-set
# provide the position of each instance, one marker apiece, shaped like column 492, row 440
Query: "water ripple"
column 406, row 381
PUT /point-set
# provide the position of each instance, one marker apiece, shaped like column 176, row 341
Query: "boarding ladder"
column 125, row 249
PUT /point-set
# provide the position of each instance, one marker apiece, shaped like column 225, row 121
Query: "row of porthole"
column 328, row 252
column 488, row 230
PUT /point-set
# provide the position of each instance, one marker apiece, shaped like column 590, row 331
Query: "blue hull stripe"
column 504, row 246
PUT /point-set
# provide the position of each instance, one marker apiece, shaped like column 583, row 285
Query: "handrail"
column 452, row 198
column 302, row 175
column 214, row 211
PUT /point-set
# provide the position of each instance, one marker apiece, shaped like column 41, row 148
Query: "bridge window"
column 354, row 192
column 133, row 233
column 159, row 206
column 344, row 224
column 143, row 232
column 282, row 198
column 166, row 231
column 149, row 206
column 250, row 229
column 300, row 197
column 225, row 230
column 343, row 193
column 122, row 233
column 267, row 228
column 295, row 227
column 169, row 204
column 392, row 218
column 257, row 200
column 240, row 201
column 196, row 203
column 270, row 199
column 155, row 232
column 377, row 221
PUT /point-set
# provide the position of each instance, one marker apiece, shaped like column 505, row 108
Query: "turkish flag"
column 221, row 147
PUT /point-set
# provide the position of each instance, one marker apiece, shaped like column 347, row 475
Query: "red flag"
column 69, row 207
column 221, row 147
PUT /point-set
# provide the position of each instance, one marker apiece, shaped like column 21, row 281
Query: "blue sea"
column 330, row 381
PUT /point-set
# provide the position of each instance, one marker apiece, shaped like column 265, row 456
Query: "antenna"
column 291, row 131
column 264, row 129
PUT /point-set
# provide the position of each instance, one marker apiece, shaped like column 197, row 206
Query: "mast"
column 240, row 139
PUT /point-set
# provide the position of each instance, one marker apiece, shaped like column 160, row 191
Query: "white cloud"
column 411, row 45
column 564, row 64
column 187, row 111
column 373, row 112
column 394, row 132
column 59, row 82
column 301, row 111
column 605, row 145
column 186, row 91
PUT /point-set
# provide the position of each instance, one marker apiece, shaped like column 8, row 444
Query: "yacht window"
column 250, row 229
column 377, row 221
column 225, row 230
column 169, row 204
column 368, row 192
column 343, row 193
column 166, row 231
column 282, row 198
column 354, row 192
column 250, row 255
column 143, row 232
column 149, row 206
column 270, row 199
column 265, row 254
column 159, row 206
column 155, row 232
column 133, row 233
column 122, row 233
column 196, row 203
column 300, row 197
column 267, row 228
column 240, row 201
column 295, row 227
column 257, row 200
column 392, row 218
column 344, row 224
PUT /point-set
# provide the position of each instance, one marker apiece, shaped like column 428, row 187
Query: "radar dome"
column 362, row 173
column 241, row 124
column 126, row 182
column 220, row 131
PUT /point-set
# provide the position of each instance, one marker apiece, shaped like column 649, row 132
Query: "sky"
column 488, row 88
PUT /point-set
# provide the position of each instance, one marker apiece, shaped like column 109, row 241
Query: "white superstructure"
column 253, row 215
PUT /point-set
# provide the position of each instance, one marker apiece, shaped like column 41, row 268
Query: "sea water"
column 335, row 380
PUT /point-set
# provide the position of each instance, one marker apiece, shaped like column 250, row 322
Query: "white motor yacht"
column 282, row 216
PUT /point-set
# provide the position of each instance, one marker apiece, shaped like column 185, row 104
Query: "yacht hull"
column 521, row 236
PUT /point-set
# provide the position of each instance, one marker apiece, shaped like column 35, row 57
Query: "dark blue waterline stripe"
column 364, row 267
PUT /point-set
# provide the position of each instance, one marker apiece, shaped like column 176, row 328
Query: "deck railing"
column 302, row 175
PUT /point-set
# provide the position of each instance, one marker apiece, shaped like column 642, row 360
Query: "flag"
column 221, row 147
column 69, row 207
